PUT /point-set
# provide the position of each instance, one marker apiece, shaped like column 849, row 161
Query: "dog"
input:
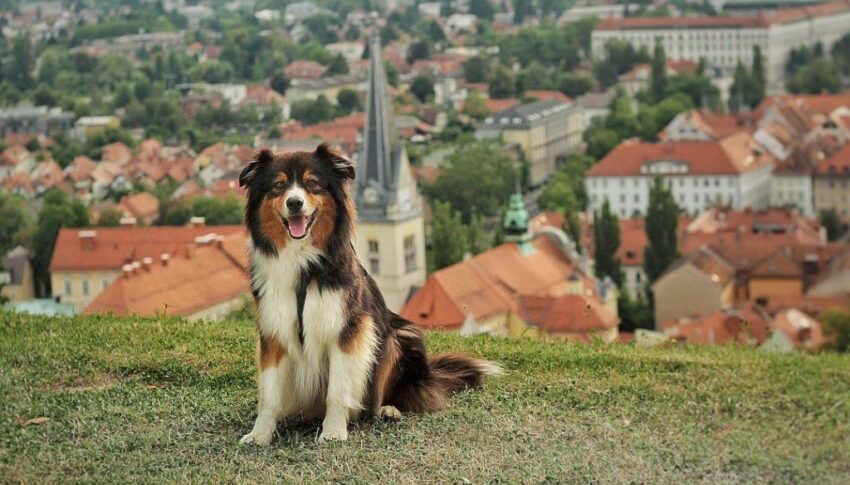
column 328, row 344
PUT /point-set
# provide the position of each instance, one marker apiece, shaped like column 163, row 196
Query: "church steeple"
column 382, row 157
column 515, row 224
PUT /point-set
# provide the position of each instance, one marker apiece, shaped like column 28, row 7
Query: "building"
column 35, row 120
column 533, row 284
column 141, row 206
column 16, row 276
column 638, row 78
column 546, row 131
column 831, row 184
column 86, row 261
column 390, row 234
column 701, row 125
column 87, row 126
column 733, row 172
column 206, row 282
column 725, row 41
column 595, row 105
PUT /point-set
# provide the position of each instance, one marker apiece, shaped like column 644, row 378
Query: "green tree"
column 422, row 88
column 836, row 327
column 418, row 50
column 817, row 76
column 478, row 175
column 606, row 241
column 348, row 101
column 662, row 220
column 658, row 75
column 502, row 84
column 311, row 112
column 476, row 69
column 476, row 236
column 392, row 73
column 110, row 218
column 522, row 8
column 446, row 247
column 338, row 65
column 564, row 192
column 59, row 210
column 482, row 9
column 574, row 85
column 831, row 221
column 738, row 92
column 16, row 222
column 758, row 78
column 475, row 106
column 212, row 71
column 279, row 82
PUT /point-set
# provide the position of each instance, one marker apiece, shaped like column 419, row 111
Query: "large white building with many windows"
column 725, row 41
column 733, row 172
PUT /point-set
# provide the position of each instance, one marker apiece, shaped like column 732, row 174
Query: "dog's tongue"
column 297, row 226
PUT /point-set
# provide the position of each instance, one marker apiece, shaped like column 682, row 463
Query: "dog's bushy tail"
column 426, row 381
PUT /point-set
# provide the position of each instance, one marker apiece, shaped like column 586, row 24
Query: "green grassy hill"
column 153, row 400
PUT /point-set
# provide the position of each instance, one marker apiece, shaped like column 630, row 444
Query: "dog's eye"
column 279, row 186
column 311, row 185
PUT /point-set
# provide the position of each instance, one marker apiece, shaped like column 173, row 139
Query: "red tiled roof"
column 735, row 154
column 838, row 163
column 490, row 284
column 721, row 327
column 210, row 275
column 117, row 152
column 546, row 95
column 111, row 248
column 143, row 205
column 630, row 23
column 304, row 70
column 566, row 313
column 499, row 105
column 824, row 104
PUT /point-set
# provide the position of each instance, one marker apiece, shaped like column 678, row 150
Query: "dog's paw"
column 390, row 412
column 333, row 435
column 256, row 438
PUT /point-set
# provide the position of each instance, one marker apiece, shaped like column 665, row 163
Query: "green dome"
column 515, row 222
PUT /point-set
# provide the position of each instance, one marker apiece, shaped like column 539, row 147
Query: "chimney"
column 146, row 263
column 136, row 265
column 127, row 222
column 196, row 221
column 164, row 258
column 87, row 239
column 126, row 270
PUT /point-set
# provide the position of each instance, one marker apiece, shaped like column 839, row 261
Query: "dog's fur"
column 328, row 344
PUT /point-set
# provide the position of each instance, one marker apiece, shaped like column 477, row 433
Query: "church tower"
column 390, row 234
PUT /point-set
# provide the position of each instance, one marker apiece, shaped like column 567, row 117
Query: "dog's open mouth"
column 298, row 226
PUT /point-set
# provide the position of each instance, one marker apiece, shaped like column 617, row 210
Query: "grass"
column 167, row 400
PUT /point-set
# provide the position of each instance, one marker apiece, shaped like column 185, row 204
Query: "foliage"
column 16, row 222
column 502, row 84
column 348, row 101
column 311, row 112
column 817, row 76
column 836, row 327
column 212, row 71
column 658, row 75
column 59, row 210
column 422, row 87
column 620, row 57
column 482, row 9
column 279, row 82
column 634, row 313
column 606, row 241
column 476, row 69
column 446, row 247
column 216, row 211
column 478, row 175
column 110, row 218
column 337, row 66
column 565, row 192
column 391, row 72
column 475, row 106
column 662, row 220
column 833, row 224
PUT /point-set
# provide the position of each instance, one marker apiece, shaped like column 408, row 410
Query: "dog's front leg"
column 339, row 398
column 272, row 382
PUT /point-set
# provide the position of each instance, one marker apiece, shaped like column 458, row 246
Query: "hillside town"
column 659, row 173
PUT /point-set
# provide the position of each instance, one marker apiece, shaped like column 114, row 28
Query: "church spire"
column 377, row 155
column 516, row 224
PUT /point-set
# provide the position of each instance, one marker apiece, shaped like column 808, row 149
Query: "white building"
column 733, row 172
column 793, row 188
column 725, row 41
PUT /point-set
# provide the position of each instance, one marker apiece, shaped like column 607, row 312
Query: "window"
column 104, row 283
column 409, row 254
column 85, row 287
column 68, row 287
column 374, row 258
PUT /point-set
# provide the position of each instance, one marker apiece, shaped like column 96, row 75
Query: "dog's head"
column 297, row 195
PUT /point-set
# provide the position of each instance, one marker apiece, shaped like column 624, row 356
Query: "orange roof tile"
column 546, row 95
column 111, row 248
column 143, row 205
column 566, row 313
column 184, row 285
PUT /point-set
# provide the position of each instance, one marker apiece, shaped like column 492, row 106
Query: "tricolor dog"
column 328, row 345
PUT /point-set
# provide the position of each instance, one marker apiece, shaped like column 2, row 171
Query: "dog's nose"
column 294, row 204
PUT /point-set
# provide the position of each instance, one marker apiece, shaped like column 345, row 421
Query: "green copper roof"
column 515, row 224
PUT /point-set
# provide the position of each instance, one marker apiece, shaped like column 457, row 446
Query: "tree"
column 476, row 236
column 831, row 221
column 476, row 69
column 279, row 82
column 422, row 88
column 392, row 73
column 311, row 112
column 110, row 218
column 212, row 71
column 522, row 8
column 477, row 175
column 59, row 210
column 475, row 106
column 658, row 75
column 574, row 85
column 759, row 78
column 564, row 192
column 337, row 66
column 662, row 220
column 502, row 83
column 836, row 326
column 817, row 76
column 418, row 50
column 446, row 247
column 348, row 101
column 606, row 241
column 15, row 222
column 740, row 84
column 482, row 9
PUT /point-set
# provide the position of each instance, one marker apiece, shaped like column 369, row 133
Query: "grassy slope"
column 165, row 399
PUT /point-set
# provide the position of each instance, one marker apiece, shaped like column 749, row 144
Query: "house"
column 208, row 281
column 638, row 77
column 117, row 152
column 78, row 174
column 47, row 174
column 86, row 261
column 532, row 284
column 595, row 105
column 702, row 282
column 547, row 131
column 302, row 69
column 834, row 279
column 734, row 172
column 86, row 126
column 831, row 184
column 16, row 276
column 16, row 159
column 701, row 125
column 142, row 206
column 34, row 120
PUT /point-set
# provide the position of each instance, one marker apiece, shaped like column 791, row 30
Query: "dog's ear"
column 249, row 173
column 341, row 165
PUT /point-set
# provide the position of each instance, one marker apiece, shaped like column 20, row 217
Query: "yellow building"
column 16, row 276
column 546, row 131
